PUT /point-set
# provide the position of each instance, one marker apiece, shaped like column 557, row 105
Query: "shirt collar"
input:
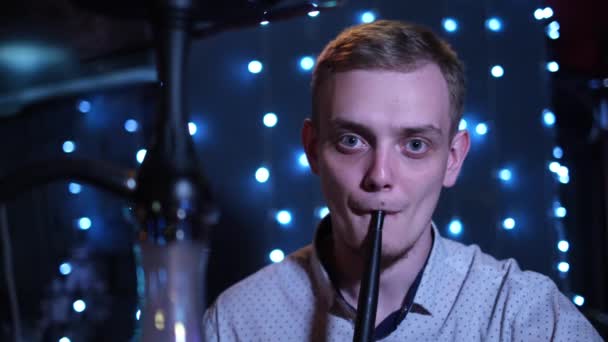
column 424, row 302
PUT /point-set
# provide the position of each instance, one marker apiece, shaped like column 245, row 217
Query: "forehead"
column 419, row 97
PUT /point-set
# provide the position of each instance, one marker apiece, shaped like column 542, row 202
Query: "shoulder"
column 261, row 297
column 527, row 302
column 287, row 275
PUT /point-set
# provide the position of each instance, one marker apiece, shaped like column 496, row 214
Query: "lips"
column 362, row 209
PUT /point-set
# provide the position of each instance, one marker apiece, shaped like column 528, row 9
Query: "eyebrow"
column 405, row 131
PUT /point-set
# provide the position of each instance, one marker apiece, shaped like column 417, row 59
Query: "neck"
column 396, row 275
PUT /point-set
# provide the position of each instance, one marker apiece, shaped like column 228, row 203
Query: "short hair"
column 392, row 46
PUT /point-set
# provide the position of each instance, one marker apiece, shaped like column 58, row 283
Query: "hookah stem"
column 368, row 294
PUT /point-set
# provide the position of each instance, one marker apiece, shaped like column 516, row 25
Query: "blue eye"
column 417, row 146
column 349, row 140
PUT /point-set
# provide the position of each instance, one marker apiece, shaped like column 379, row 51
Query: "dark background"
column 227, row 104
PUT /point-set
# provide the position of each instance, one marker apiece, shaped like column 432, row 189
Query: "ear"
column 310, row 142
column 459, row 148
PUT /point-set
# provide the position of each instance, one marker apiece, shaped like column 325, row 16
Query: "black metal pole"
column 368, row 293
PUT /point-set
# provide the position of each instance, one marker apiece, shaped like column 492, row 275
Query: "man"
column 387, row 100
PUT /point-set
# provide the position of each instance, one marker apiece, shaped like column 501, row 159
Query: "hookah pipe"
column 172, row 200
column 368, row 293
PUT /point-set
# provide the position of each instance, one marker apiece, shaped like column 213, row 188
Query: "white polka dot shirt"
column 464, row 295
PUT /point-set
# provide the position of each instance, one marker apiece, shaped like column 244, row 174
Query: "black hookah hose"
column 368, row 293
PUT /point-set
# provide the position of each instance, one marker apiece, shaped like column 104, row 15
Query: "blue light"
column 64, row 339
column 303, row 160
column 307, row 63
column 138, row 314
column 276, row 255
column 563, row 171
column 578, row 300
column 538, row 14
column 283, row 217
column 84, row 106
column 264, row 22
column 322, row 212
column 481, row 129
column 455, row 227
column 462, row 125
column 313, row 14
column 79, row 305
column 564, row 180
column 141, row 155
column 368, row 17
column 554, row 166
column 262, row 175
column 192, row 128
column 255, row 67
column 69, row 146
column 497, row 71
column 560, row 212
column 563, row 267
column 553, row 34
column 74, row 188
column 270, row 119
column 65, row 268
column 494, row 24
column 548, row 118
column 131, row 126
column 547, row 12
column 563, row 246
column 552, row 66
column 84, row 223
column 505, row 175
column 558, row 153
column 553, row 26
column 508, row 223
column 450, row 25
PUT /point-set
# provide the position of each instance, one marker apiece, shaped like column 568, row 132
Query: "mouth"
column 369, row 211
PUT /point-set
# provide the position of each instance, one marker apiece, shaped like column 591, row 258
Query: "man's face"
column 383, row 143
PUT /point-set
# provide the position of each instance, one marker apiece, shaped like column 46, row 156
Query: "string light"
column 74, row 188
column 262, row 175
column 558, row 153
column 508, row 223
column 276, row 255
column 563, row 246
column 578, row 300
column 497, row 71
column 548, row 118
column 455, row 227
column 255, row 67
column 65, row 268
column 303, row 160
column 552, row 66
column 79, row 305
column 494, row 24
column 84, row 106
column 270, row 119
column 563, row 267
column 131, row 126
column 505, row 175
column 481, row 129
column 84, row 223
column 192, row 129
column 307, row 63
column 141, row 155
column 368, row 17
column 64, row 339
column 283, row 217
column 313, row 14
column 69, row 146
column 450, row 25
column 264, row 22
column 321, row 212
column 462, row 125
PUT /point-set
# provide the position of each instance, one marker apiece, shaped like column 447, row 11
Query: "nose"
column 379, row 175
